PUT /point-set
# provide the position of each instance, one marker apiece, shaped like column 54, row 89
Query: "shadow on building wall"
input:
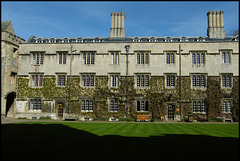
column 60, row 142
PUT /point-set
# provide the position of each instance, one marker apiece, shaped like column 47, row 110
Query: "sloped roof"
column 7, row 26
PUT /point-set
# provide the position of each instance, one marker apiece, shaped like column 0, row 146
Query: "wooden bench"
column 143, row 118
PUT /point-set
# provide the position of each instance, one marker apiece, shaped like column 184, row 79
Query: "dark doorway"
column 170, row 112
column 10, row 103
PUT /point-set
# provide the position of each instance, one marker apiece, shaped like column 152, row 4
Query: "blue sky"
column 92, row 18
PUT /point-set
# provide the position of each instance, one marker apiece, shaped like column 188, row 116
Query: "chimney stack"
column 117, row 25
column 215, row 24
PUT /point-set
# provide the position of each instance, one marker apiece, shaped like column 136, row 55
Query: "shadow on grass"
column 57, row 142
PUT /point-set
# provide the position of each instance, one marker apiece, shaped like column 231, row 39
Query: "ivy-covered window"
column 226, row 80
column 142, row 106
column 143, row 80
column 226, row 106
column 199, row 81
column 88, row 80
column 87, row 105
column 61, row 80
column 36, row 80
column 114, row 80
column 170, row 80
column 199, row 106
column 35, row 104
column 113, row 106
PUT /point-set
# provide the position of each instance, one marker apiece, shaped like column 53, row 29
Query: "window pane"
column 173, row 81
column 37, row 62
column 36, row 80
column 223, row 57
column 194, row 106
column 228, row 81
column 64, row 58
column 146, row 81
column 92, row 81
column 39, row 104
column 92, row 58
column 202, row 58
column 112, row 84
column 116, row 58
column 91, row 105
column 84, row 80
column 88, row 58
column 41, row 59
column 199, row 106
column 203, row 81
column 117, row 82
column 138, row 81
column 88, row 80
column 146, row 106
column 84, row 58
column 142, row 106
column 168, row 58
column 111, row 106
column 142, row 81
column 83, row 105
column 198, row 81
column 63, row 80
column 142, row 58
column 33, row 79
column 60, row 58
column 227, row 58
column 146, row 58
column 138, row 58
column 203, row 107
column 116, row 106
column 172, row 58
column 193, row 58
column 223, row 81
column 87, row 105
column 138, row 105
column 112, row 58
column 40, row 80
column 228, row 107
column 168, row 81
column 198, row 58
column 194, row 81
column 59, row 80
column 224, row 106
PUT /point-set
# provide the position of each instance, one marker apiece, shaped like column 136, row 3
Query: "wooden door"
column 170, row 112
column 60, row 108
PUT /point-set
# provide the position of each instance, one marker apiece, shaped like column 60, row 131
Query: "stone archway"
column 10, row 104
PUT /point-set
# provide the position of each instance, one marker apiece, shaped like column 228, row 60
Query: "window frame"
column 197, row 81
column 87, row 80
column 225, row 80
column 113, row 105
column 199, row 106
column 87, row 105
column 169, row 83
column 36, row 80
column 227, row 110
column 143, row 57
column 144, row 105
column 62, row 78
column 33, row 102
column 142, row 80
column 62, row 56
column 38, row 58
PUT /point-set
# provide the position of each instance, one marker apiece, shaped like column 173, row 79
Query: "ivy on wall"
column 127, row 93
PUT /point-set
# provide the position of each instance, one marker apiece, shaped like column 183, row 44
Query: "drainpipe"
column 70, row 75
column 180, row 80
column 127, row 51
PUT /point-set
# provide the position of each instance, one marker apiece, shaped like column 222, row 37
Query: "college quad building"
column 119, row 77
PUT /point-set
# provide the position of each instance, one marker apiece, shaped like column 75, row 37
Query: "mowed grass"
column 119, row 141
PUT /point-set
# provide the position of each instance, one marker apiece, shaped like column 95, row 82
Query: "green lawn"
column 119, row 141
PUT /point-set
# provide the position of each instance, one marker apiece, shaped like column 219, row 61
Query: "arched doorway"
column 60, row 109
column 10, row 104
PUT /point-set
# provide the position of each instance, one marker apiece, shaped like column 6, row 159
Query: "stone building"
column 119, row 77
column 9, row 68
